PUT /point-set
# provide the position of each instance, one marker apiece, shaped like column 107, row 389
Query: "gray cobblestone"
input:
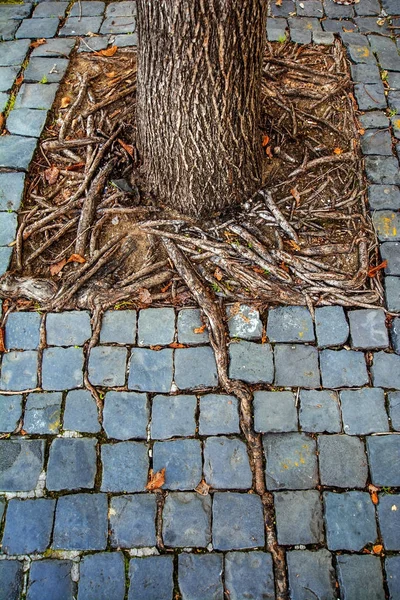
column 150, row 370
column 249, row 575
column 119, row 327
column 45, row 576
column 81, row 522
column 299, row 517
column 10, row 413
column 370, row 96
column 93, row 44
column 368, row 7
column 276, row 29
column 337, row 11
column 363, row 54
column 26, row 120
column 218, row 415
column 80, row 412
column 23, row 330
column 132, row 521
column 123, row 8
column 360, row 577
column 187, row 520
column 291, row 461
column 368, row 24
column 173, row 416
column 394, row 80
column 384, row 197
column 311, row 571
column 124, row 40
column 392, row 293
column 55, row 10
column 195, row 367
column 200, row 576
column 342, row 461
column 389, row 521
column 76, row 26
column 16, row 151
column 45, row 70
column 386, row 51
column 386, row 370
column 5, row 255
column 290, row 324
column 87, row 8
column 62, row 368
column 125, row 467
column 21, row 462
column 102, row 576
column 325, row 38
column 7, row 78
column 117, row 25
column 305, row 23
column 312, row 8
column 376, row 141
column 251, row 362
column 19, row 371
column 364, row 411
column 226, row 463
column 275, row 412
column 72, row 464
column 362, row 73
column 338, row 26
column 11, row 577
column 68, row 328
column 55, row 47
column 8, row 228
column 36, row 95
column 156, row 326
column 382, row 169
column 8, row 29
column 20, row 11
column 350, row 520
column 28, row 526
column 107, row 365
column 319, row 411
column 368, row 328
column 13, row 53
column 188, row 321
column 392, row 568
column 11, row 190
column 394, row 409
column 42, row 413
column 384, row 459
column 296, row 366
column 125, row 415
column 245, row 323
column 151, row 577
column 387, row 225
column 237, row 521
column 182, row 461
column 343, row 368
column 300, row 36
column 395, row 334
column 37, row 28
column 284, row 9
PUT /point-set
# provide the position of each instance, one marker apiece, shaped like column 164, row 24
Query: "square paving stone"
column 68, row 328
column 36, row 95
column 50, row 10
column 361, row 73
column 21, row 462
column 118, row 327
column 19, row 371
column 122, row 8
column 386, row 370
column 363, row 54
column 72, row 464
column 195, row 367
column 42, row 413
column 187, row 520
column 62, row 368
column 312, row 8
column 16, row 151
column 46, row 70
column 384, row 459
column 360, row 577
column 37, row 28
column 125, row 415
column 118, row 25
column 200, row 576
column 382, row 169
column 87, row 8
column 219, row 414
column 368, row 7
column 392, row 567
column 374, row 141
column 107, row 365
column 13, row 53
column 5, row 256
column 394, row 409
column 291, row 461
column 28, row 526
column 311, row 572
column 132, row 521
column 11, row 577
column 237, row 521
column 319, row 411
column 374, row 119
column 245, row 322
column 10, row 412
column 337, row 11
column 338, row 26
column 342, row 461
column 325, row 38
column 290, row 324
column 389, row 520
column 125, row 467
column 76, row 26
column 46, row 576
column 387, row 225
column 251, row 362
column 331, row 326
column 23, row 330
column 350, row 520
column 384, row 197
column 189, row 320
column 26, row 121
column 93, row 44
column 156, row 326
column 296, row 366
column 124, row 40
column 364, row 411
column 81, row 522
column 8, row 29
column 182, row 462
column 8, row 228
column 151, row 577
column 392, row 293
column 11, row 190
column 80, row 413
column 299, row 517
column 394, row 80
column 55, row 47
column 102, row 576
column 249, row 575
column 284, row 9
column 275, row 412
column 343, row 368
column 226, row 463
column 173, row 416
column 7, row 78
column 15, row 12
column 150, row 370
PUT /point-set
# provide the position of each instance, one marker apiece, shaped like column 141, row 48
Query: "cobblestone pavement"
column 76, row 519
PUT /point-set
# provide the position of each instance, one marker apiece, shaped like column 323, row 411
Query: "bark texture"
column 198, row 99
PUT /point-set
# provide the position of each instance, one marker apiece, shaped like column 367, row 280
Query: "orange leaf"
column 57, row 267
column 278, row 2
column 257, row 270
column 19, row 80
column 38, row 43
column 200, row 329
column 2, row 344
column 156, row 348
column 265, row 140
column 293, row 244
column 1, row 121
column 202, row 488
column 337, row 151
column 156, row 480
column 347, row 30
column 361, row 131
column 75, row 167
column 23, row 432
column 176, row 345
column 375, row 498
column 377, row 549
column 218, row 274
column 296, row 195
column 372, row 271
column 126, row 147
column 268, row 152
column 111, row 74
column 51, row 174
column 76, row 258
column 65, row 101
column 107, row 52
column 166, row 287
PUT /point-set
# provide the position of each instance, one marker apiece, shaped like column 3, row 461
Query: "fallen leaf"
column 156, row 348
column 337, row 151
column 177, row 345
column 258, row 270
column 265, row 140
column 107, row 52
column 65, row 101
column 156, row 480
column 51, row 174
column 372, row 271
column 75, row 167
column 278, row 2
column 377, row 549
column 373, row 488
column 296, row 195
column 126, row 147
column 361, row 131
column 374, row 498
column 38, row 43
column 2, row 344
column 264, row 338
column 199, row 329
column 111, row 74
column 1, row 121
column 144, row 296
column 23, row 432
column 294, row 245
column 203, row 488
column 76, row 258
column 19, row 80
column 268, row 152
column 380, row 22
column 57, row 267
column 347, row 30
column 218, row 274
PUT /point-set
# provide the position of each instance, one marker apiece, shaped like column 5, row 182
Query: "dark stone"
column 8, row 29
column 37, row 28
column 151, row 577
column 375, row 141
column 226, row 463
column 7, row 78
column 251, row 362
column 28, row 121
column 395, row 334
column 290, row 324
column 219, row 414
column 182, row 461
column 21, row 462
column 249, row 575
column 54, row 47
column 200, row 576
column 16, row 151
column 50, row 580
column 311, row 572
column 102, row 576
column 156, row 326
column 392, row 294
column 382, row 169
column 124, row 8
column 392, row 567
column 28, row 526
column 124, row 40
column 304, row 23
column 11, row 577
column 125, row 467
column 386, row 370
column 87, row 8
column 370, row 96
column 55, row 10
column 23, row 330
column 13, row 53
column 80, row 413
column 187, row 520
column 237, row 521
column 384, row 197
column 325, row 38
column 300, row 36
column 319, row 411
column 389, row 521
column 374, row 119
column 291, row 461
column 72, row 464
column 296, row 366
column 368, row 24
column 384, row 460
column 42, row 413
column 36, row 95
column 76, row 26
column 331, row 326
column 5, row 256
column 150, row 370
column 195, row 367
column 284, row 10
column 299, row 517
column 173, row 416
column 311, row 8
column 107, row 365
column 343, row 368
column 360, row 577
column 11, row 190
column 81, row 522
column 244, row 323
column 118, row 326
column 10, row 413
column 338, row 26
column 132, row 521
column 275, row 412
column 188, row 321
column 126, row 415
column 350, row 520
column 368, row 328
column 367, row 7
column 337, row 11
column 62, row 368
column 342, row 461
column 364, row 411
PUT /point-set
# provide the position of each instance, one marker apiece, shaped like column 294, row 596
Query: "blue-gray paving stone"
column 384, row 459
column 392, row 293
column 284, row 9
column 368, row 7
column 102, row 576
column 36, row 95
column 394, row 409
column 19, row 371
column 363, row 411
column 338, row 26
column 362, row 73
column 107, row 365
column 395, row 122
column 28, row 526
column 389, row 521
column 218, row 414
column 187, row 520
column 11, row 577
column 395, row 334
column 275, row 34
column 375, row 141
column 299, row 517
column 93, row 44
column 24, row 121
column 23, row 330
column 249, row 575
column 16, row 151
column 337, row 11
column 117, row 25
column 296, row 365
column 13, row 53
column 343, row 368
column 11, row 190
column 122, row 8
column 132, row 521
column 311, row 572
column 368, row 24
column 55, row 47
column 5, row 256
column 300, row 36
column 382, row 169
column 118, row 327
column 394, row 80
column 7, row 77
column 72, row 464
column 245, row 322
column 68, row 328
column 50, row 10
column 370, row 96
column 124, row 40
column 8, row 29
column 151, row 577
column 200, row 576
column 80, row 413
column 125, row 415
column 374, row 119
column 226, row 463
column 8, row 227
column 125, row 467
column 342, row 461
column 46, row 70
column 10, row 413
column 290, row 324
column 76, row 26
column 42, row 413
column 173, row 416
column 305, row 23
column 386, row 370
column 87, row 8
column 387, row 225
column 156, row 326
column 311, row 8
column 392, row 568
column 275, row 412
column 319, row 411
column 17, row 11
column 291, row 461
column 50, row 580
column 350, row 520
column 390, row 6
column 195, row 367
column 150, row 371
column 81, row 522
column 325, row 38
column 384, row 197
column 21, row 462
column 237, row 521
column 362, row 53
column 368, row 328
column 37, row 28
column 182, row 461
column 251, row 362
column 62, row 368
column 360, row 577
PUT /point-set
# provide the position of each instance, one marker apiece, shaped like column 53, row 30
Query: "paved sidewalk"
column 75, row 518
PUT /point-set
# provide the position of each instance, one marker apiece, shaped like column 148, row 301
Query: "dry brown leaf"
column 361, row 131
column 1, row 121
column 166, row 287
column 295, row 193
column 107, row 52
column 347, row 30
column 374, row 498
column 156, row 480
column 373, row 488
column 19, row 80
column 156, row 348
column 126, row 147
column 65, row 101
column 23, row 432
column 177, row 345
column 278, row 2
column 265, row 140
column 203, row 488
column 76, row 258
column 51, row 174
column 144, row 296
column 110, row 74
column 337, row 151
column 57, row 267
column 294, row 245
column 2, row 342
column 75, row 167
column 377, row 549
column 38, row 43
column 218, row 274
column 199, row 329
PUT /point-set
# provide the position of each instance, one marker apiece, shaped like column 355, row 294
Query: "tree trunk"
column 198, row 98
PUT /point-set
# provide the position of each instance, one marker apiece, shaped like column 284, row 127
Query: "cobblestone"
column 16, row 151
column 26, row 120
column 28, row 526
column 392, row 567
column 68, row 328
column 80, row 413
column 384, row 459
column 11, row 577
column 319, row 411
column 8, row 228
column 386, row 370
column 342, row 461
column 389, row 521
column 11, row 189
column 299, row 517
column 102, row 576
column 117, row 25
column 81, row 522
column 173, row 416
column 395, row 334
column 156, row 326
column 244, row 323
column 151, row 577
column 392, row 293
column 249, row 575
column 251, row 362
column 375, row 141
column 364, row 411
column 7, row 77
column 311, row 571
column 237, row 521
column 42, row 413
column 76, row 26
column 23, row 331
column 296, row 366
column 150, row 370
column 360, row 577
column 87, row 8
column 36, row 95
column 387, row 225
column 290, row 324
column 19, row 371
column 50, row 9
column 350, row 520
column 331, row 326
column 343, row 368
column 125, row 415
column 72, row 464
column 394, row 409
column 132, row 521
column 125, row 467
column 123, row 8
column 119, row 327
column 45, row 576
column 275, row 412
column 37, row 28
column 218, row 415
column 21, row 462
column 13, row 53
column 45, row 70
column 195, row 367
column 187, row 520
column 384, row 197
column 188, row 321
column 382, row 169
column 361, row 73
column 226, row 463
column 54, row 47
column 62, row 369
column 200, row 576
column 291, row 461
column 107, row 366
column 182, row 461
column 5, row 255
column 10, row 413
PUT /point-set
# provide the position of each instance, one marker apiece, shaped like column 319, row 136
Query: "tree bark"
column 198, row 99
